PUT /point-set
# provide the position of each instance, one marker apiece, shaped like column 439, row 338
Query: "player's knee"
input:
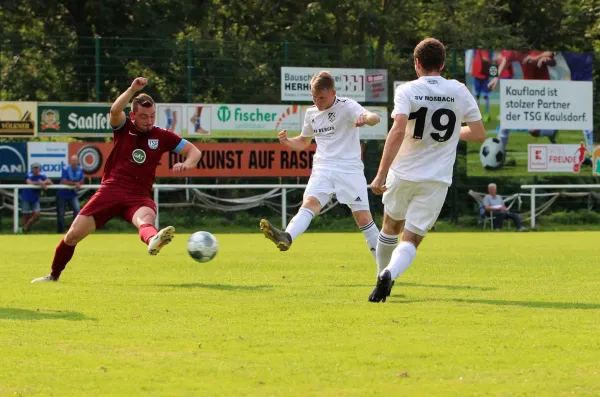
column 313, row 204
column 362, row 218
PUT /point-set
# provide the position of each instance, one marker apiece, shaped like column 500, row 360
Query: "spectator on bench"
column 72, row 175
column 494, row 204
column 30, row 198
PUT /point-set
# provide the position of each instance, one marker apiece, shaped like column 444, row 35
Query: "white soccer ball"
column 202, row 246
column 492, row 154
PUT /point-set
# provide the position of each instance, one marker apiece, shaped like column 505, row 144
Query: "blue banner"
column 13, row 160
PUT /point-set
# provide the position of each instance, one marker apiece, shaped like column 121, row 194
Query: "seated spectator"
column 72, row 175
column 30, row 198
column 494, row 204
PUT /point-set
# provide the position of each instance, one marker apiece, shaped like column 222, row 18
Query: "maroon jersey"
column 131, row 164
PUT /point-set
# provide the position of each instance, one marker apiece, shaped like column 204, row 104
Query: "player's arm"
column 191, row 153
column 117, row 115
column 297, row 143
column 392, row 145
column 368, row 118
column 473, row 132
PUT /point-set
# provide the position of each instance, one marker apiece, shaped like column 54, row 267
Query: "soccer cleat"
column 383, row 287
column 162, row 238
column 45, row 279
column 282, row 240
column 391, row 286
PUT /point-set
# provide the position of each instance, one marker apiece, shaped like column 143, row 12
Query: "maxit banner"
column 52, row 156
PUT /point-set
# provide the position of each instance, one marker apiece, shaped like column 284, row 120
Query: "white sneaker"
column 162, row 238
column 44, row 279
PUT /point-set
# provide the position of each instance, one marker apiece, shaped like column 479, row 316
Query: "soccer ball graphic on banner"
column 202, row 246
column 492, row 154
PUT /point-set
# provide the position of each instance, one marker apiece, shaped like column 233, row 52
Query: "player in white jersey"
column 418, row 157
column 337, row 165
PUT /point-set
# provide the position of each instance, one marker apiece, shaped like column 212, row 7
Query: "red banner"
column 218, row 160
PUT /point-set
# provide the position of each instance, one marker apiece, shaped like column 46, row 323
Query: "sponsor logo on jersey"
column 153, row 144
column 324, row 130
column 139, row 156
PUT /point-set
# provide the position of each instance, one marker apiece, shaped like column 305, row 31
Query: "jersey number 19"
column 436, row 122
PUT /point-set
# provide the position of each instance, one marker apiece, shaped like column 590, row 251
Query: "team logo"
column 331, row 116
column 90, row 159
column 50, row 120
column 139, row 156
column 493, row 71
column 153, row 144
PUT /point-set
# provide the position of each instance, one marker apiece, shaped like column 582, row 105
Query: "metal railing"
column 156, row 190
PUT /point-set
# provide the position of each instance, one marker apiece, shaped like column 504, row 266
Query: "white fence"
column 156, row 189
column 534, row 188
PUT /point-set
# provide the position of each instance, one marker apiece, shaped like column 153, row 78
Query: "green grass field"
column 516, row 156
column 478, row 314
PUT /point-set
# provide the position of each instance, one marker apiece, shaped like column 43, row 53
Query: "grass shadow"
column 399, row 285
column 9, row 313
column 220, row 287
column 533, row 304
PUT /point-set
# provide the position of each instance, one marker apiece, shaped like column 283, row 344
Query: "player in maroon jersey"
column 129, row 173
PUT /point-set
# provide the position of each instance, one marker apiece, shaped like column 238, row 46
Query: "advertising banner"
column 18, row 119
column 218, row 160
column 556, row 158
column 362, row 85
column 13, row 163
column 79, row 119
column 52, row 156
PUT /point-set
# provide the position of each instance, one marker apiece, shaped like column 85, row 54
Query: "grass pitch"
column 481, row 314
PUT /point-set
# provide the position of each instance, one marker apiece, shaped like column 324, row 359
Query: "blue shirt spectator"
column 30, row 198
column 33, row 178
column 71, row 175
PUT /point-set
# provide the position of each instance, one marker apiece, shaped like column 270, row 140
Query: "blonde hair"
column 322, row 81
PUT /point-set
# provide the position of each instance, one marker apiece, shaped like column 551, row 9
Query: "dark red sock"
column 147, row 231
column 62, row 256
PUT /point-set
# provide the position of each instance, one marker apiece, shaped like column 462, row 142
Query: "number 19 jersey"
column 435, row 108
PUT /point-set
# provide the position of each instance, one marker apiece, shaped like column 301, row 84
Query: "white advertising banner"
column 546, row 104
column 52, row 156
column 556, row 158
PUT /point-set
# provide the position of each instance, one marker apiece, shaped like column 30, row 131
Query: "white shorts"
column 349, row 188
column 419, row 203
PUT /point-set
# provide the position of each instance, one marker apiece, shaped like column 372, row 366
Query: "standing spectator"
column 72, row 175
column 30, row 198
column 494, row 204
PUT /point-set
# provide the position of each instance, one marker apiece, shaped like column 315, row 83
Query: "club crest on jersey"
column 331, row 116
column 139, row 156
column 153, row 144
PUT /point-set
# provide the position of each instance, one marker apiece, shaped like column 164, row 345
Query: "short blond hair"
column 322, row 81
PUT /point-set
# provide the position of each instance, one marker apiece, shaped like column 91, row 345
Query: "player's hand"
column 283, row 136
column 543, row 61
column 493, row 83
column 139, row 84
column 360, row 120
column 179, row 167
column 378, row 185
column 530, row 59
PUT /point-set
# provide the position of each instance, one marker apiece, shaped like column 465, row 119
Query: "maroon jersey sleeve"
column 122, row 127
column 171, row 141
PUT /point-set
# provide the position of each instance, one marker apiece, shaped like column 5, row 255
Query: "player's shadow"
column 400, row 285
column 10, row 313
column 496, row 302
column 220, row 287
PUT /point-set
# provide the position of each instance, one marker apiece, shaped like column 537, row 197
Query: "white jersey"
column 338, row 143
column 435, row 108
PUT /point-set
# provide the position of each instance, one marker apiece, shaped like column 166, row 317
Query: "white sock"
column 371, row 232
column 402, row 257
column 589, row 140
column 385, row 246
column 300, row 222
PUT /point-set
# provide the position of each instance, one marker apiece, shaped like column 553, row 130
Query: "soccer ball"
column 492, row 154
column 202, row 246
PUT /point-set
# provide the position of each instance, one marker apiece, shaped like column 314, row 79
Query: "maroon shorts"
column 106, row 204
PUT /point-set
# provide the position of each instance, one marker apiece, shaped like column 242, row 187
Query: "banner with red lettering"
column 218, row 160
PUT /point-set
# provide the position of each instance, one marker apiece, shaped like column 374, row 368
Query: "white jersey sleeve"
column 307, row 129
column 471, row 109
column 401, row 100
column 353, row 109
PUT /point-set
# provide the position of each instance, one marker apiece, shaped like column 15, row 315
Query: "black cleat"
column 282, row 239
column 383, row 288
column 391, row 286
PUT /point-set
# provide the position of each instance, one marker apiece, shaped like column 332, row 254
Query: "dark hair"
column 431, row 54
column 322, row 81
column 143, row 100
